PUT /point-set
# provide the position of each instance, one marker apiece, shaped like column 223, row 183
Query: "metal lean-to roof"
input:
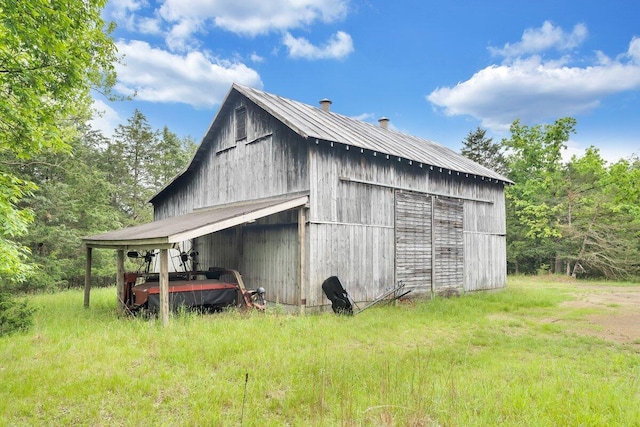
column 315, row 123
column 166, row 232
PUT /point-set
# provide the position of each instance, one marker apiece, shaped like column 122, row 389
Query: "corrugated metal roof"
column 195, row 224
column 315, row 123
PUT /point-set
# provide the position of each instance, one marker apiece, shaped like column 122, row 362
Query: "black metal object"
column 209, row 299
column 397, row 294
column 340, row 302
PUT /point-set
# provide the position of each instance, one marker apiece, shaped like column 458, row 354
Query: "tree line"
column 98, row 185
column 579, row 217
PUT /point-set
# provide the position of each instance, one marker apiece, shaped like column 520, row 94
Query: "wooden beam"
column 239, row 243
column 164, row 286
column 431, row 193
column 87, row 278
column 302, row 243
column 433, row 247
column 155, row 243
column 120, row 279
column 238, row 220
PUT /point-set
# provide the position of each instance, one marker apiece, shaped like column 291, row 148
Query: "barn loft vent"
column 326, row 104
column 241, row 123
column 384, row 122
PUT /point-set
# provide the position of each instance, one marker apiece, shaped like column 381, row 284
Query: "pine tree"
column 482, row 150
column 131, row 156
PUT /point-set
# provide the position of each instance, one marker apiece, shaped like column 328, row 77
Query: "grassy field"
column 479, row 360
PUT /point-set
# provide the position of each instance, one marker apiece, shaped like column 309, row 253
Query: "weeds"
column 481, row 359
column 15, row 314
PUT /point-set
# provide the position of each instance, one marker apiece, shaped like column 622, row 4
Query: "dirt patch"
column 618, row 317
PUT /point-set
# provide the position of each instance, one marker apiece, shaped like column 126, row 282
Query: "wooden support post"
column 164, row 286
column 87, row 278
column 302, row 244
column 433, row 247
column 239, row 264
column 120, row 279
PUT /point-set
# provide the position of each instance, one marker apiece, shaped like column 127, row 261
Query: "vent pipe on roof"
column 384, row 122
column 326, row 104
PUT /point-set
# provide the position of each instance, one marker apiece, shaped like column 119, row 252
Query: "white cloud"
column 248, row 17
column 611, row 151
column 536, row 40
column 121, row 8
column 534, row 90
column 337, row 47
column 178, row 38
column 105, row 119
column 159, row 76
column 634, row 50
column 124, row 12
column 254, row 57
column 365, row 117
column 150, row 25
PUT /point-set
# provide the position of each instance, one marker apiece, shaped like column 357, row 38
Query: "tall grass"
column 482, row 359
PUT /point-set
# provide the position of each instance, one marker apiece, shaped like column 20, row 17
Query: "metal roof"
column 166, row 232
column 315, row 123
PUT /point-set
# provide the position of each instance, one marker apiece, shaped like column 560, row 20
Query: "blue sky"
column 437, row 69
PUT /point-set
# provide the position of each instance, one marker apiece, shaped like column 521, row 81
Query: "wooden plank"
column 486, row 255
column 164, row 286
column 413, row 235
column 302, row 244
column 120, row 279
column 87, row 277
column 401, row 188
column 448, row 244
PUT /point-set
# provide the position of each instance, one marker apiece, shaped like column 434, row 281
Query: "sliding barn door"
column 429, row 242
column 448, row 244
column 413, row 239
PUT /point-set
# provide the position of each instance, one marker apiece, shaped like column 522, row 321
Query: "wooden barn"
column 290, row 194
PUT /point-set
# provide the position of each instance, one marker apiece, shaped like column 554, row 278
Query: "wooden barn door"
column 413, row 239
column 429, row 242
column 448, row 245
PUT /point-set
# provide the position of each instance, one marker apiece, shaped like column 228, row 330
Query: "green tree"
column 52, row 53
column 477, row 147
column 131, row 156
column 534, row 164
column 141, row 161
column 73, row 200
column 172, row 154
column 579, row 217
column 601, row 217
column 14, row 221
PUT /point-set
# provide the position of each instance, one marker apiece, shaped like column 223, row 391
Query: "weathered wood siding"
column 352, row 192
column 485, row 261
column 413, row 240
column 265, row 255
column 448, row 245
column 429, row 243
column 271, row 161
column 483, row 225
column 351, row 227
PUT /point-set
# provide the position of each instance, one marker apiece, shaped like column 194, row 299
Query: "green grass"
column 479, row 360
